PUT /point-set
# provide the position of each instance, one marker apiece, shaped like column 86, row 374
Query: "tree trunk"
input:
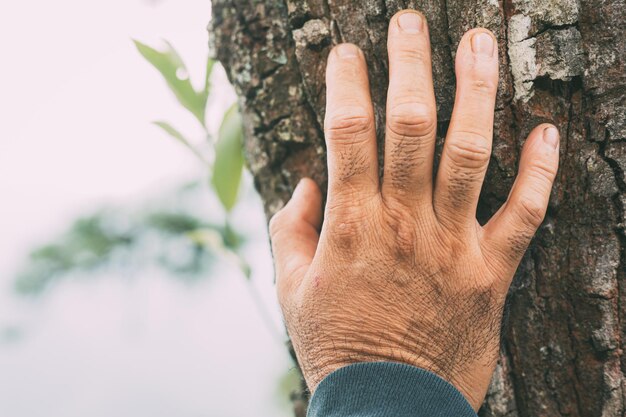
column 561, row 61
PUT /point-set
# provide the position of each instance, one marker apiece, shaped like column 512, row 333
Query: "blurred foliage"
column 174, row 239
column 121, row 239
column 9, row 334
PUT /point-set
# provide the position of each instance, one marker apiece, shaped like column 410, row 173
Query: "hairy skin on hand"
column 400, row 270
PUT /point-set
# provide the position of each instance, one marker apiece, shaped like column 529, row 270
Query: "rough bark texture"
column 561, row 61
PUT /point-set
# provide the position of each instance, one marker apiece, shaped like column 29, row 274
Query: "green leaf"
column 175, row 133
column 207, row 78
column 228, row 166
column 172, row 68
column 172, row 131
column 207, row 81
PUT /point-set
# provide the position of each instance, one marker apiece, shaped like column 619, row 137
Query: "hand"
column 401, row 270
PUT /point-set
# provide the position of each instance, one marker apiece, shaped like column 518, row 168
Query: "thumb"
column 294, row 232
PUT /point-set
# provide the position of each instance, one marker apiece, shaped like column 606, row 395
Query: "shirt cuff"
column 387, row 389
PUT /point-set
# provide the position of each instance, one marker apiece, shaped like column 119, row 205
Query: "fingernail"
column 410, row 22
column 483, row 44
column 347, row 50
column 551, row 136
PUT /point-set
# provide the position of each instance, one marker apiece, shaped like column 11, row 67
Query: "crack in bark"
column 551, row 27
column 621, row 236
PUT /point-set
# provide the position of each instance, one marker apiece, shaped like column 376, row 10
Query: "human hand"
column 401, row 270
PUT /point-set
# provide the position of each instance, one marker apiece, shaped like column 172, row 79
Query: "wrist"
column 471, row 383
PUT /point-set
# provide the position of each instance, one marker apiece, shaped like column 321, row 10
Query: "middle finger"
column 411, row 111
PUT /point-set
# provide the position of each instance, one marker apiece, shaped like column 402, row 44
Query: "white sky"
column 76, row 102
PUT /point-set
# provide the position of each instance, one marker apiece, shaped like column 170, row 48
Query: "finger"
column 411, row 110
column 294, row 233
column 349, row 125
column 467, row 148
column 511, row 229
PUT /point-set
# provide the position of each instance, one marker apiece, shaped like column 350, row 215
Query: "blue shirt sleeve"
column 387, row 389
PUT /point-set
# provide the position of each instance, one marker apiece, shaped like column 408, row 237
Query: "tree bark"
column 561, row 61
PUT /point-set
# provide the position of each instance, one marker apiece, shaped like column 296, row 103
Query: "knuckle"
column 531, row 212
column 348, row 123
column 469, row 150
column 483, row 84
column 404, row 234
column 346, row 224
column 407, row 52
column 346, row 234
column 543, row 171
column 412, row 119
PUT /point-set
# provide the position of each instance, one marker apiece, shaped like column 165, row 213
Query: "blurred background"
column 135, row 273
